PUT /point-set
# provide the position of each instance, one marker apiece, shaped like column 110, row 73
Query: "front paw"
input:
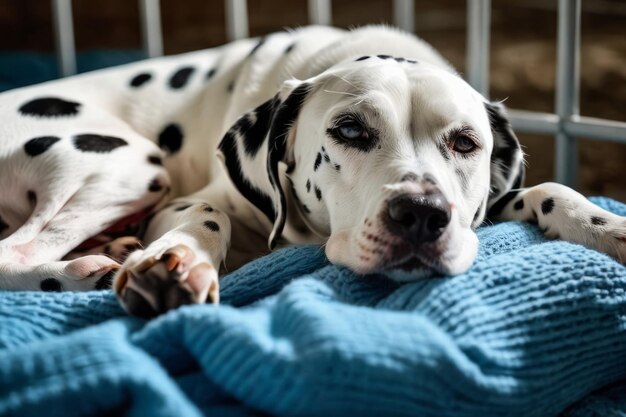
column 154, row 281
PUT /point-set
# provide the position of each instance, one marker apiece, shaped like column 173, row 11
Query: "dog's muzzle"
column 418, row 218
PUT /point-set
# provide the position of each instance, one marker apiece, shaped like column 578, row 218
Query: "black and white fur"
column 365, row 140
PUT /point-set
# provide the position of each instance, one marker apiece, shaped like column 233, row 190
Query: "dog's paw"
column 156, row 280
column 120, row 248
column 90, row 272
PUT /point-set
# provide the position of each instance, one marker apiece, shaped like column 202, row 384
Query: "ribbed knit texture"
column 535, row 328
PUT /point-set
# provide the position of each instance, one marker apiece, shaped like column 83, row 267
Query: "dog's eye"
column 351, row 130
column 464, row 144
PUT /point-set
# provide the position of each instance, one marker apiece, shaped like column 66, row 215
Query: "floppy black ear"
column 507, row 160
column 253, row 147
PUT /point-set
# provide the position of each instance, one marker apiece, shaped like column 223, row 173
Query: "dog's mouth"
column 409, row 264
column 408, row 258
column 130, row 225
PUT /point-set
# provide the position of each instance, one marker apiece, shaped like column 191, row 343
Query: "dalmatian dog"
column 366, row 141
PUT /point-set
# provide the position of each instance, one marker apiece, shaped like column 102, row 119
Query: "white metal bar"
column 404, row 14
column 320, row 12
column 576, row 126
column 150, row 11
column 236, row 19
column 567, row 88
column 534, row 122
column 64, row 36
column 598, row 129
column 478, row 31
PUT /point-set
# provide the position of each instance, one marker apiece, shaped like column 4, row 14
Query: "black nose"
column 419, row 218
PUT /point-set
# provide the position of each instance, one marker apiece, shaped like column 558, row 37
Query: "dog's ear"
column 507, row 160
column 253, row 147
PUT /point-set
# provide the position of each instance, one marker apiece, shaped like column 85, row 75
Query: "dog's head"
column 395, row 161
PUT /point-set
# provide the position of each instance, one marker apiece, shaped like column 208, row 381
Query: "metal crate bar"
column 64, row 36
column 567, row 88
column 566, row 124
column 404, row 14
column 576, row 126
column 320, row 12
column 478, row 31
column 593, row 128
column 534, row 122
column 150, row 12
column 236, row 19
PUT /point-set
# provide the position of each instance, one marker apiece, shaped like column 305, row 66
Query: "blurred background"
column 522, row 63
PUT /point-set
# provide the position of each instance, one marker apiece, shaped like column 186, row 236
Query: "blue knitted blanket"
column 535, row 328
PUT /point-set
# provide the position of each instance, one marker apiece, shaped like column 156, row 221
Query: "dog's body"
column 385, row 153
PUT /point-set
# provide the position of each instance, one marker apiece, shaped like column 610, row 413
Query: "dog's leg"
column 30, row 258
column 81, row 274
column 189, row 240
column 563, row 213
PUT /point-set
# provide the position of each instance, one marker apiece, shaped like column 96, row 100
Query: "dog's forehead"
column 429, row 93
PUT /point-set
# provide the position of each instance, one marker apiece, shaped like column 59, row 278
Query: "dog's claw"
column 164, row 282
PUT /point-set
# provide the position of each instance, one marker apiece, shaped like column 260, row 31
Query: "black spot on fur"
column 384, row 56
column 171, row 138
column 3, row 226
column 411, row 61
column 180, row 78
column 140, row 79
column 254, row 133
column 131, row 247
column 318, row 161
column 363, row 58
column 155, row 186
column 228, row 146
column 257, row 46
column 181, row 208
column 155, row 160
column 50, row 285
column 290, row 48
column 50, row 107
column 337, row 167
column 91, row 142
column 308, row 186
column 212, row 226
column 318, row 193
column 598, row 221
column 106, row 281
column 400, row 59
column 519, row 204
column 326, row 158
column 39, row 145
column 32, row 197
column 210, row 74
column 231, row 86
column 283, row 121
column 547, row 205
column 306, row 208
column 208, row 208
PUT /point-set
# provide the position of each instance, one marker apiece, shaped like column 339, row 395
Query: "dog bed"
column 534, row 328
